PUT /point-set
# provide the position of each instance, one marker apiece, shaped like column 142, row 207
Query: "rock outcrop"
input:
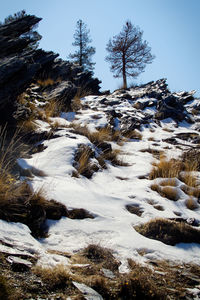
column 146, row 104
column 20, row 65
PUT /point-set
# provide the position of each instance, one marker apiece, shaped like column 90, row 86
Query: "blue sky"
column 171, row 27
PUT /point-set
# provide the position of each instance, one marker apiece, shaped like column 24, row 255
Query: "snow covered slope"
column 109, row 192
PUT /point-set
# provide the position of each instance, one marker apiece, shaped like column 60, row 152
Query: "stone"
column 88, row 292
column 19, row 264
column 20, row 66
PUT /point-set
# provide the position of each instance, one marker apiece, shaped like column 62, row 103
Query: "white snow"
column 105, row 196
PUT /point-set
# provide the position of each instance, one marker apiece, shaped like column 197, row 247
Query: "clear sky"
column 171, row 27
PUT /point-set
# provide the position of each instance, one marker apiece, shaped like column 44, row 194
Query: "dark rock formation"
column 19, row 66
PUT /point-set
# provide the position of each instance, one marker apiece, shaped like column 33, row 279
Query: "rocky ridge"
column 20, row 66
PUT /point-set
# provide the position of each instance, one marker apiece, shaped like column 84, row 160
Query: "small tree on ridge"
column 84, row 53
column 127, row 53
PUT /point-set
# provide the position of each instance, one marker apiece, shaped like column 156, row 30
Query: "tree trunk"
column 124, row 72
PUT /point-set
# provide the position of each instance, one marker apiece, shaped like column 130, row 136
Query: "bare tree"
column 84, row 52
column 127, row 53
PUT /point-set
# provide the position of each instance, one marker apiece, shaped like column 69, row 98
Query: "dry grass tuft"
column 188, row 178
column 156, row 153
column 96, row 137
column 134, row 134
column 169, row 232
column 167, row 129
column 52, row 109
column 166, row 169
column 28, row 125
column 46, row 82
column 168, row 182
column 83, row 163
column 76, row 101
column 166, row 191
column 191, row 203
column 101, row 255
column 113, row 157
column 170, row 193
column 191, row 191
column 56, row 277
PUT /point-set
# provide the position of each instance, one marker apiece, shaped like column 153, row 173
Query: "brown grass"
column 169, row 232
column 191, row 191
column 167, row 129
column 166, row 191
column 52, row 108
column 168, row 182
column 96, row 137
column 156, row 153
column 28, row 125
column 46, row 82
column 82, row 161
column 166, row 169
column 101, row 255
column 56, row 277
column 188, row 178
column 113, row 157
column 76, row 101
column 191, row 203
column 134, row 134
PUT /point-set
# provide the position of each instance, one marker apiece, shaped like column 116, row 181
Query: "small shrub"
column 169, row 232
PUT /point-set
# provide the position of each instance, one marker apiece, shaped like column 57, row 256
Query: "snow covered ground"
column 106, row 194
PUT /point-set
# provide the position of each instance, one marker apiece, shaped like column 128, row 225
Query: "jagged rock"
column 63, row 92
column 20, row 66
column 19, row 264
column 128, row 124
column 88, row 292
column 66, row 71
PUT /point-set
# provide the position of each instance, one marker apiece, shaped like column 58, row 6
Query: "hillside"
column 103, row 201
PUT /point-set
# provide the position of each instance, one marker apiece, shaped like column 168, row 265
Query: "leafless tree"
column 128, row 54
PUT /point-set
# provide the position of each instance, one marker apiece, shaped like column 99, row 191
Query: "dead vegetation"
column 169, row 232
column 159, row 280
column 135, row 209
column 168, row 192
